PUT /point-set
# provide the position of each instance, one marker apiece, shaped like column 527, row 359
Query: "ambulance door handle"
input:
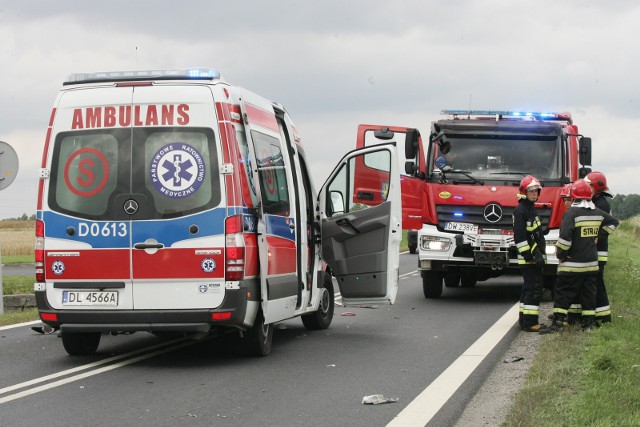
column 344, row 223
column 148, row 246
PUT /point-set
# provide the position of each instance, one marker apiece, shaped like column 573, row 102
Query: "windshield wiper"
column 466, row 173
column 510, row 173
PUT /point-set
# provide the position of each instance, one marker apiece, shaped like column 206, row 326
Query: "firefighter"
column 598, row 183
column 529, row 240
column 575, row 309
column 565, row 195
column 578, row 255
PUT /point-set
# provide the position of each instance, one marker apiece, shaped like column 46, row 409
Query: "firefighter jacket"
column 602, row 203
column 576, row 248
column 527, row 232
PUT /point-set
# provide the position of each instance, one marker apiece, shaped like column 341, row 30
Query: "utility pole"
column 8, row 172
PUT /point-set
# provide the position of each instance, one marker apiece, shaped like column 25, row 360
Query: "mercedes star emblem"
column 131, row 206
column 492, row 212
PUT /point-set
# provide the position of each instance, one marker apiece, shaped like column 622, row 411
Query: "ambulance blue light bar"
column 118, row 76
column 508, row 113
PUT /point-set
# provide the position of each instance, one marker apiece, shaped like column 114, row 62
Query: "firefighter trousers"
column 580, row 287
column 530, row 296
column 603, row 309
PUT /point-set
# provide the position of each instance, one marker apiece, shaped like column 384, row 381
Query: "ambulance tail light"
column 234, row 248
column 39, row 251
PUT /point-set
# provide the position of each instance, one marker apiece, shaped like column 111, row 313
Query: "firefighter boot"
column 535, row 328
column 558, row 325
column 588, row 323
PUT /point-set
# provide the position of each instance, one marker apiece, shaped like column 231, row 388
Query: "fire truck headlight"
column 432, row 243
column 551, row 247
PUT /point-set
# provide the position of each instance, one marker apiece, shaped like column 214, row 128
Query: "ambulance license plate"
column 461, row 226
column 104, row 298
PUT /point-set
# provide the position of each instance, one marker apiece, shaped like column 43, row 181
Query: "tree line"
column 625, row 206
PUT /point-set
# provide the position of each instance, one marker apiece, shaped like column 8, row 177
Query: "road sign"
column 8, row 165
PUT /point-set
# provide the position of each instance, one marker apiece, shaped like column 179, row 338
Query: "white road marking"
column 423, row 408
column 18, row 325
column 159, row 349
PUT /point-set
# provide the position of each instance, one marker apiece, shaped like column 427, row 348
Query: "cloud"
column 335, row 64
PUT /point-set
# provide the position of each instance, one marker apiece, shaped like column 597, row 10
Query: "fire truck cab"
column 174, row 202
column 460, row 189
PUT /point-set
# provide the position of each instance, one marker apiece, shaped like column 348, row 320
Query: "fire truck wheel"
column 257, row 340
column 467, row 280
column 432, row 284
column 322, row 318
column 452, row 279
column 80, row 343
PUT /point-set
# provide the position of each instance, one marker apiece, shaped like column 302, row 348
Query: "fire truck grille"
column 478, row 215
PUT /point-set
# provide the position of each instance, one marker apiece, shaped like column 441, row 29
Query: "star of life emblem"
column 57, row 267
column 177, row 170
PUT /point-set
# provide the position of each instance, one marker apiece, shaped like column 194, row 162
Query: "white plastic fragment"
column 376, row 399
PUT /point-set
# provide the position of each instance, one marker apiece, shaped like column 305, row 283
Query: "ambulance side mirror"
column 337, row 203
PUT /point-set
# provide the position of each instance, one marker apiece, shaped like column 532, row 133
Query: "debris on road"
column 513, row 359
column 348, row 313
column 376, row 399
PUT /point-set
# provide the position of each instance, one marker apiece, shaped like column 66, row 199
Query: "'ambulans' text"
column 127, row 115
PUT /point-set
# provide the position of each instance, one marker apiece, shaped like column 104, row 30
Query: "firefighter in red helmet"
column 530, row 243
column 598, row 183
column 577, row 252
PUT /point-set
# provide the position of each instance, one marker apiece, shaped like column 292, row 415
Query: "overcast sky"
column 335, row 64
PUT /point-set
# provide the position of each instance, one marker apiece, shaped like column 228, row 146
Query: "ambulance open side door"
column 361, row 226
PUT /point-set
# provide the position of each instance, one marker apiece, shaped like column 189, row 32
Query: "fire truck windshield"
column 497, row 158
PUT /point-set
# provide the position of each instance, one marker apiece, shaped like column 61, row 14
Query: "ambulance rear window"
column 85, row 171
column 167, row 172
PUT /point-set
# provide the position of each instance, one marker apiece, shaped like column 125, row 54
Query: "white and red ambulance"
column 172, row 201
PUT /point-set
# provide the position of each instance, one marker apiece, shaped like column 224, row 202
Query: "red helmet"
column 581, row 190
column 530, row 183
column 565, row 193
column 598, row 180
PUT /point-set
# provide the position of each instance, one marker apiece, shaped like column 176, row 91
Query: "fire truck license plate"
column 461, row 226
column 108, row 298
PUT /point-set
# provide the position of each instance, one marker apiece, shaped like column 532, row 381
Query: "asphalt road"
column 311, row 378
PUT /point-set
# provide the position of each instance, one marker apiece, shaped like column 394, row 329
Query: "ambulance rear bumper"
column 197, row 320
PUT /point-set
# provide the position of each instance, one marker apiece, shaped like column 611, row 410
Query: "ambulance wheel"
column 257, row 340
column 432, row 284
column 322, row 318
column 80, row 343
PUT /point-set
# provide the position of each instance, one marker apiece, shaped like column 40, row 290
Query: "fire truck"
column 459, row 190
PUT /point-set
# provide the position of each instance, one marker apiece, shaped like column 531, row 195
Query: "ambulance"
column 173, row 202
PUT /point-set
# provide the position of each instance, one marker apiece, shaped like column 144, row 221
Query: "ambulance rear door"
column 361, row 225
column 277, row 237
column 175, row 200
column 87, row 237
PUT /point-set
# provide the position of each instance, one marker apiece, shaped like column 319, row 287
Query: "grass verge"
column 13, row 285
column 19, row 317
column 592, row 378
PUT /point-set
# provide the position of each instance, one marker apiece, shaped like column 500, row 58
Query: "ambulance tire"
column 257, row 340
column 432, row 284
column 322, row 318
column 80, row 343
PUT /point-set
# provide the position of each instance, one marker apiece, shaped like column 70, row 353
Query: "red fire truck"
column 459, row 189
